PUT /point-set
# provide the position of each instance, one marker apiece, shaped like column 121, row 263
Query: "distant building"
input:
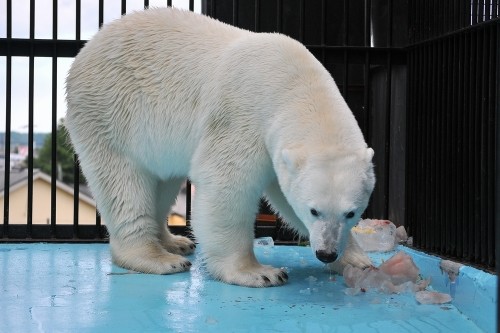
column 18, row 199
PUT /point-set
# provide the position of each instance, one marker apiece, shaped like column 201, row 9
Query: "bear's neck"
column 329, row 125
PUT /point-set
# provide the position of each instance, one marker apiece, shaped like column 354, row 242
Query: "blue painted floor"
column 75, row 288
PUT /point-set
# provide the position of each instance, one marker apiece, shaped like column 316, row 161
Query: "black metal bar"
column 101, row 13
column 78, row 18
column 123, row 7
column 54, row 171
column 366, row 97
column 323, row 30
column 497, row 169
column 257, row 16
column 494, row 108
column 188, row 203
column 368, row 11
column 455, row 172
column 462, row 217
column 450, row 169
column 279, row 15
column 146, row 4
column 191, row 5
column 169, row 3
column 388, row 108
column 474, row 15
column 484, row 152
column 302, row 12
column 345, row 40
column 31, row 73
column 76, row 195
column 235, row 12
column 8, row 113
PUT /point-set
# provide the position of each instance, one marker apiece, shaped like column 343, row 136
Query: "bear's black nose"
column 326, row 257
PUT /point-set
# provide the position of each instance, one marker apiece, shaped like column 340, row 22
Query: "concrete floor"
column 76, row 288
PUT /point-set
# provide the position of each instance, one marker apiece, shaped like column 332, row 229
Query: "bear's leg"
column 223, row 222
column 126, row 194
column 278, row 202
column 166, row 194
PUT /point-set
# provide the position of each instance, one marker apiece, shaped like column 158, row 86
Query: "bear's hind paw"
column 179, row 245
column 152, row 259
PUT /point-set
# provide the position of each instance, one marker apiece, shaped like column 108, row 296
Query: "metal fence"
column 420, row 76
column 453, row 108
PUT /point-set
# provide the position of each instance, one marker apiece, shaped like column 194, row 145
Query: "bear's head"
column 328, row 190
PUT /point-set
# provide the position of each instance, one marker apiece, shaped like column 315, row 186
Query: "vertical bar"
column 279, row 16
column 452, row 107
column 454, row 76
column 474, row 15
column 76, row 188
column 323, row 30
column 497, row 170
column 8, row 113
column 494, row 108
column 78, row 16
column 388, row 110
column 53, row 198
column 346, row 23
column 409, row 137
column 101, row 13
column 169, row 3
column 427, row 219
column 480, row 11
column 366, row 97
column 483, row 133
column 146, row 4
column 76, row 195
column 191, row 5
column 439, row 202
column 302, row 13
column 235, row 12
column 257, row 16
column 29, row 226
column 460, row 160
column 487, row 8
column 188, row 203
column 123, row 7
column 368, row 7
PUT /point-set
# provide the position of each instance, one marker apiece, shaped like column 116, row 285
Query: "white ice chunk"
column 375, row 235
column 432, row 297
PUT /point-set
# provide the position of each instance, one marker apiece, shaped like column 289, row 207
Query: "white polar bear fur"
column 165, row 94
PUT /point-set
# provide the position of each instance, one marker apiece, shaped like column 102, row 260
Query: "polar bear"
column 164, row 94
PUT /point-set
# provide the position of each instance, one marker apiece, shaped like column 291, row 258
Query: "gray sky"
column 43, row 66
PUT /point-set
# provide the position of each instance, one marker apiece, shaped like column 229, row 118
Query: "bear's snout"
column 326, row 257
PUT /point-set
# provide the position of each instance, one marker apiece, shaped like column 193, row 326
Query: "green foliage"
column 65, row 156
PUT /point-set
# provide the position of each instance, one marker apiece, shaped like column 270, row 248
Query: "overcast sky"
column 43, row 66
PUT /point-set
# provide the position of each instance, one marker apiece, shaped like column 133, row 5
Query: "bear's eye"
column 350, row 215
column 314, row 212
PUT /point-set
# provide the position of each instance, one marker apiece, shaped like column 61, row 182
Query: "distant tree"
column 65, row 156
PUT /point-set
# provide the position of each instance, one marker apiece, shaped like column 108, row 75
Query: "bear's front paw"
column 255, row 276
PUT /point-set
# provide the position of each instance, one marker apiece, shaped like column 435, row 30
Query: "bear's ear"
column 369, row 154
column 291, row 159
